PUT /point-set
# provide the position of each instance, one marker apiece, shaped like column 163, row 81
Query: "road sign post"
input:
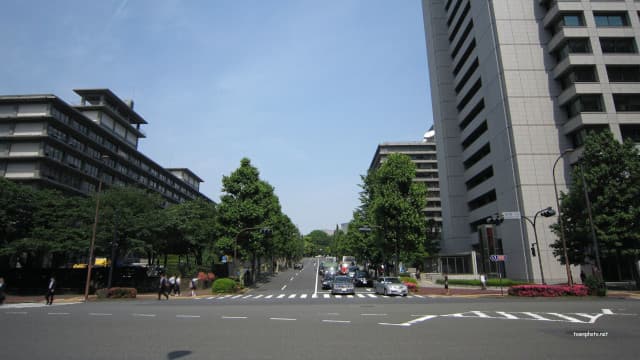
column 499, row 259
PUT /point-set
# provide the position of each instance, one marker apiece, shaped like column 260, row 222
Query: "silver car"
column 390, row 286
column 342, row 285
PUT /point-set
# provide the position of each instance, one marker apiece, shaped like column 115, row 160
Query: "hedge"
column 117, row 293
column 224, row 285
column 490, row 282
column 548, row 290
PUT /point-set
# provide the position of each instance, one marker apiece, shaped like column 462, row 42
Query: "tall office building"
column 48, row 143
column 423, row 155
column 514, row 83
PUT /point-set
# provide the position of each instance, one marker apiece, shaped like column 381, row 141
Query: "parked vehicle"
column 327, row 282
column 390, row 286
column 297, row 266
column 342, row 285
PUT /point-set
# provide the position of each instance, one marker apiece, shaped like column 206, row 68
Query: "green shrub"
column 490, row 282
column 595, row 287
column 117, row 293
column 224, row 285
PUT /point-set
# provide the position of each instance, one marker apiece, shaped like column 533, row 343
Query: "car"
column 361, row 278
column 390, row 286
column 351, row 272
column 297, row 266
column 327, row 282
column 342, row 285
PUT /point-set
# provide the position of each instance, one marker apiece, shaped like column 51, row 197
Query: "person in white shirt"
column 172, row 285
column 177, row 285
column 50, row 291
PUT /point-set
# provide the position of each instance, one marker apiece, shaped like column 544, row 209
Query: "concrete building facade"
column 514, row 83
column 48, row 143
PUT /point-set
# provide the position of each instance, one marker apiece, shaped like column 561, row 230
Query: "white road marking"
column 284, row 287
column 211, row 297
column 481, row 314
column 371, row 295
column 414, row 321
column 291, row 278
column 259, row 296
column 337, row 321
column 315, row 288
column 248, row 296
column 58, row 313
column 16, row 312
column 280, row 296
column 100, row 314
column 373, row 314
column 282, row 319
column 607, row 311
column 292, row 296
column 569, row 318
column 360, row 295
column 235, row 297
column 314, row 296
column 187, row 316
column 145, row 315
column 419, row 296
column 268, row 296
column 536, row 316
column 234, row 317
column 326, row 296
column 592, row 318
column 507, row 315
column 303, row 296
column 350, row 296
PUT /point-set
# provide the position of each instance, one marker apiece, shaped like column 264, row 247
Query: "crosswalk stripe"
column 292, row 296
column 246, row 297
column 235, row 297
column 371, row 295
column 569, row 318
column 303, row 296
column 418, row 296
column 259, row 296
column 211, row 297
column 268, row 296
column 350, row 296
column 326, row 296
column 315, row 296
column 535, row 316
column 280, row 296
column 360, row 295
column 507, row 315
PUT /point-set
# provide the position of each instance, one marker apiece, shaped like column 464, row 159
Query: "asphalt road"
column 323, row 328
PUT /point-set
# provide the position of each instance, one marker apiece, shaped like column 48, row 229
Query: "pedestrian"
column 446, row 284
column 177, row 285
column 172, row 285
column 162, row 287
column 483, row 281
column 51, row 289
column 583, row 277
column 417, row 274
column 193, row 286
column 1, row 290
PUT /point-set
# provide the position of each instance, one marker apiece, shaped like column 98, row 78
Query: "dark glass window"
column 479, row 155
column 623, row 73
column 578, row 137
column 630, row 132
column 616, row 19
column 574, row 46
column 482, row 200
column 480, row 178
column 627, row 102
column 573, row 19
column 585, row 103
column 618, row 45
column 579, row 74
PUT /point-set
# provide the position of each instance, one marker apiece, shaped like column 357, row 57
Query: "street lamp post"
column 564, row 241
column 93, row 236
column 593, row 229
column 547, row 212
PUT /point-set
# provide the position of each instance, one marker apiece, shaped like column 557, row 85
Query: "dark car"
column 362, row 278
column 297, row 266
column 327, row 282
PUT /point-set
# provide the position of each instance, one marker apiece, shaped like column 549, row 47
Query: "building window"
column 623, row 73
column 630, row 132
column 73, row 161
column 627, row 102
column 585, row 103
column 480, row 178
column 56, row 134
column 469, row 95
column 618, row 45
column 579, row 74
column 574, row 46
column 52, row 153
column 479, row 155
column 617, row 19
column 578, row 137
column 481, row 129
column 572, row 19
column 482, row 200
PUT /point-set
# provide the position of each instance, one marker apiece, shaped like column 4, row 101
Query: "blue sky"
column 305, row 89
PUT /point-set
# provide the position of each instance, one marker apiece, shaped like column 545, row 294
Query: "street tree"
column 609, row 172
column 395, row 203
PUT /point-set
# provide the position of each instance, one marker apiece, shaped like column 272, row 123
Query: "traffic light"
column 495, row 219
column 533, row 250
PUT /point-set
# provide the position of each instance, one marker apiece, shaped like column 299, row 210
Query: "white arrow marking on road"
column 414, row 321
column 569, row 318
column 282, row 319
column 145, row 315
column 592, row 318
column 507, row 315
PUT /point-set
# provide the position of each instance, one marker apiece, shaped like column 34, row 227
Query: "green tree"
column 394, row 203
column 17, row 206
column 611, row 173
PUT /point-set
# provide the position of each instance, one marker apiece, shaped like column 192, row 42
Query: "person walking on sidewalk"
column 192, row 286
column 483, row 281
column 51, row 289
column 1, row 290
column 172, row 285
column 446, row 284
column 177, row 285
column 162, row 287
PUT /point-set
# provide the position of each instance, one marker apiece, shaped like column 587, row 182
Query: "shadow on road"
column 178, row 354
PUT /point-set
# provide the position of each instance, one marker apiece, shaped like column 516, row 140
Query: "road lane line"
column 100, row 314
column 282, row 319
column 337, row 321
column 315, row 288
column 284, row 287
column 144, row 315
column 291, row 278
column 536, row 316
column 568, row 318
column 373, row 314
column 188, row 316
column 234, row 317
column 280, row 296
column 507, row 315
column 16, row 312
column 58, row 313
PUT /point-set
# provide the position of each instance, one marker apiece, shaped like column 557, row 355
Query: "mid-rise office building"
column 515, row 83
column 48, row 143
column 423, row 155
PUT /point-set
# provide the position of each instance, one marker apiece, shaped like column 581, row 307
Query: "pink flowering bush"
column 548, row 290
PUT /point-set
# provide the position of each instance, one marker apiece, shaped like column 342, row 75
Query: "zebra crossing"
column 304, row 296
